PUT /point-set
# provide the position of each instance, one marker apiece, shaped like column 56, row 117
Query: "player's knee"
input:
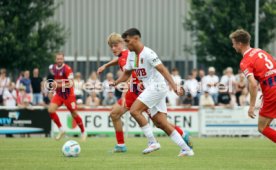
column 51, row 110
column 73, row 113
column 114, row 116
column 261, row 128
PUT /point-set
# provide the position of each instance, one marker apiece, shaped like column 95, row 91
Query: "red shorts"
column 130, row 98
column 268, row 110
column 69, row 102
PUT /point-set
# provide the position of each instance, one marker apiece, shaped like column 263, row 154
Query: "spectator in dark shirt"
column 36, row 85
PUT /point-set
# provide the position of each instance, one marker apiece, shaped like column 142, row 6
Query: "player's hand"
column 101, row 69
column 112, row 83
column 251, row 112
column 179, row 91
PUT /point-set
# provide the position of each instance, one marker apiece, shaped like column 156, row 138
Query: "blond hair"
column 241, row 36
column 114, row 38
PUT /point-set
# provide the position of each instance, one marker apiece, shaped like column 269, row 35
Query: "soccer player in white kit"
column 152, row 73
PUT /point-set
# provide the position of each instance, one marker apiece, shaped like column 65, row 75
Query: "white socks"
column 61, row 129
column 148, row 133
column 175, row 136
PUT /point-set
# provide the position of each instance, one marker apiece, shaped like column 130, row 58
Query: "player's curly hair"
column 240, row 35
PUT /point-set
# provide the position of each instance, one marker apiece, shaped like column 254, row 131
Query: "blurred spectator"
column 26, row 82
column 210, row 83
column 110, row 99
column 118, row 92
column 20, row 76
column 47, row 85
column 201, row 75
column 240, row 86
column 175, row 75
column 36, row 83
column 172, row 98
column 92, row 100
column 206, row 100
column 106, row 87
column 224, row 98
column 94, row 83
column 10, row 95
column 229, row 81
column 4, row 84
column 191, row 86
column 78, row 84
column 187, row 100
column 23, row 99
column 243, row 97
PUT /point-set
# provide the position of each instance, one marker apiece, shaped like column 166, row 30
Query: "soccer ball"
column 71, row 148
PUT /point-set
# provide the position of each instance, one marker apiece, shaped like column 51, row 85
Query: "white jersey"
column 144, row 65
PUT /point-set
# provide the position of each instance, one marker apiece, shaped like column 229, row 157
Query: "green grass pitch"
column 210, row 153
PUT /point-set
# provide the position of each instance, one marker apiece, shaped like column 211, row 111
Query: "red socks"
column 179, row 130
column 120, row 137
column 270, row 133
column 78, row 120
column 55, row 118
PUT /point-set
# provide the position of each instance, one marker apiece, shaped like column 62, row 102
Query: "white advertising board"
column 97, row 121
column 222, row 121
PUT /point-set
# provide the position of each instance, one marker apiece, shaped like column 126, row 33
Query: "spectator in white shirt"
column 78, row 87
column 4, row 83
column 10, row 96
column 229, row 81
column 191, row 85
column 93, row 84
column 210, row 83
column 206, row 100
column 106, row 87
column 175, row 75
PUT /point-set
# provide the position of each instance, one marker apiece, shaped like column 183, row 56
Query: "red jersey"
column 122, row 62
column 262, row 66
column 63, row 73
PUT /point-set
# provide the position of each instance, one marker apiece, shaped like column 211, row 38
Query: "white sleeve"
column 130, row 60
column 154, row 59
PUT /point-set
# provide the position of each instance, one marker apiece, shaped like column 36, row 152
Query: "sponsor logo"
column 14, row 115
column 141, row 72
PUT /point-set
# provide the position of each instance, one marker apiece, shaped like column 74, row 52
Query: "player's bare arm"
column 113, row 62
column 124, row 77
column 164, row 71
column 253, row 88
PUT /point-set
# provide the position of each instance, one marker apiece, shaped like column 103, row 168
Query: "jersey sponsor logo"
column 141, row 72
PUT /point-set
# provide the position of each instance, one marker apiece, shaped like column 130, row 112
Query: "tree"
column 211, row 22
column 29, row 36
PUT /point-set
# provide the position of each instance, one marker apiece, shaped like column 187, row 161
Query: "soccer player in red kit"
column 258, row 66
column 116, row 44
column 64, row 94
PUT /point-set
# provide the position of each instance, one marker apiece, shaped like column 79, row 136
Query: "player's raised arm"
column 253, row 88
column 113, row 62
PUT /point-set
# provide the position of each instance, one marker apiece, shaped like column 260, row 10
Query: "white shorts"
column 155, row 99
